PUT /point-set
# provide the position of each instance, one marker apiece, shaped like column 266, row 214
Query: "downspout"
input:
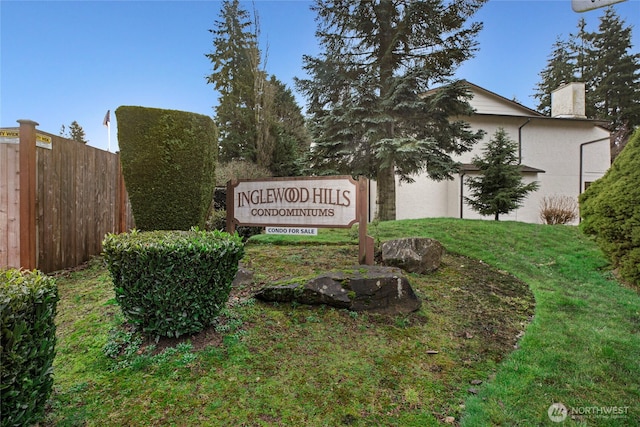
column 462, row 174
column 581, row 158
column 580, row 169
column 520, row 140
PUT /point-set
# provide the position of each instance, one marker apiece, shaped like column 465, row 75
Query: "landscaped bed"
column 461, row 357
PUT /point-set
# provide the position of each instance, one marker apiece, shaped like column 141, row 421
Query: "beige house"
column 564, row 153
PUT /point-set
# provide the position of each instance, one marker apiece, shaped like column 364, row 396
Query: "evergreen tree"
column 74, row 132
column 373, row 110
column 289, row 131
column 235, row 62
column 616, row 78
column 499, row 188
column 258, row 118
column 560, row 70
column 602, row 60
column 581, row 50
column 77, row 133
column 610, row 210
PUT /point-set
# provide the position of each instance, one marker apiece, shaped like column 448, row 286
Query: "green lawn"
column 286, row 364
column 582, row 348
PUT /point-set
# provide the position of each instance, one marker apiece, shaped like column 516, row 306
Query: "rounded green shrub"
column 610, row 211
column 171, row 283
column 168, row 161
column 28, row 302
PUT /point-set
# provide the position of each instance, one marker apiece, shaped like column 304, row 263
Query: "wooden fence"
column 57, row 199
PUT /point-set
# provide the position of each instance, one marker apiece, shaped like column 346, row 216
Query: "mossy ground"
column 321, row 365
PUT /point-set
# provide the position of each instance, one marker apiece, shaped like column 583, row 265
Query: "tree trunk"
column 386, row 194
column 386, row 178
column 497, row 217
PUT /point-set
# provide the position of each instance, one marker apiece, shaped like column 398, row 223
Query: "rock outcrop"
column 413, row 255
column 372, row 288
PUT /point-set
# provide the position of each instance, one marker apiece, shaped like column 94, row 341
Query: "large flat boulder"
column 372, row 288
column 414, row 254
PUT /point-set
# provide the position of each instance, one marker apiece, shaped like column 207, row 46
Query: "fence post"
column 27, row 161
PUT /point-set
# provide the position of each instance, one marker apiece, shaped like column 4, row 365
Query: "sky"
column 65, row 61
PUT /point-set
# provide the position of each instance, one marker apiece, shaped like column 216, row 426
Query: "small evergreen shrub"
column 171, row 283
column 28, row 300
column 499, row 188
column 168, row 162
column 558, row 210
column 610, row 210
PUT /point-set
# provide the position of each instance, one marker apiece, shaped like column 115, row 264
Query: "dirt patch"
column 490, row 307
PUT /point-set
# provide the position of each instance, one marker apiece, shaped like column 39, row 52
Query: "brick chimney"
column 568, row 101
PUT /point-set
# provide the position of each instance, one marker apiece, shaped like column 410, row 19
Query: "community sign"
column 291, row 202
column 303, row 203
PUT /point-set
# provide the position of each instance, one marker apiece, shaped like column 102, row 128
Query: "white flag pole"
column 107, row 123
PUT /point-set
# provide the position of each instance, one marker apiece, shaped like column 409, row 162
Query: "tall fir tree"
column 372, row 108
column 77, row 133
column 258, row 118
column 615, row 77
column 235, row 61
column 499, row 189
column 74, row 132
column 560, row 70
column 289, row 131
column 582, row 52
column 611, row 73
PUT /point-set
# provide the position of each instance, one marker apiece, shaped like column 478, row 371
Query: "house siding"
column 551, row 145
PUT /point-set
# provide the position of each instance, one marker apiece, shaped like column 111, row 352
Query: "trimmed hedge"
column 28, row 302
column 610, row 210
column 168, row 161
column 171, row 283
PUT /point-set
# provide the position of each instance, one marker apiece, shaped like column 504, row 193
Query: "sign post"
column 302, row 202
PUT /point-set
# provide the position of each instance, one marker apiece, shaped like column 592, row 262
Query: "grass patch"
column 287, row 364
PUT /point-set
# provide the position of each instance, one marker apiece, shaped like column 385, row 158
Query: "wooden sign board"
column 322, row 202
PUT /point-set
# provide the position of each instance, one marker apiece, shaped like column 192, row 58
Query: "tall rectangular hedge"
column 168, row 161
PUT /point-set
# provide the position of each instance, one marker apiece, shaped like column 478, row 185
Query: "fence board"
column 40, row 203
column 14, row 207
column 10, row 205
column 78, row 200
column 4, row 202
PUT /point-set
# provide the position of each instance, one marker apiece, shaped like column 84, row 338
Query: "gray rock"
column 243, row 277
column 414, row 254
column 372, row 288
